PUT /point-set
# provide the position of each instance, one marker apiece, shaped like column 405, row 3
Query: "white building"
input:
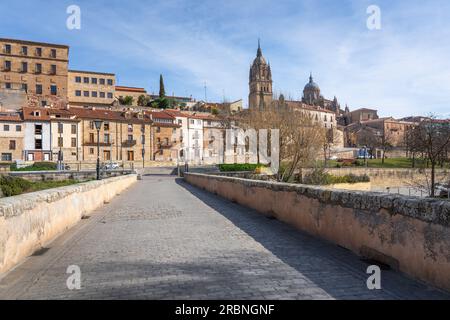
column 37, row 135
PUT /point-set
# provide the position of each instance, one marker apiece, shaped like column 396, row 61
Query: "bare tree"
column 301, row 137
column 432, row 138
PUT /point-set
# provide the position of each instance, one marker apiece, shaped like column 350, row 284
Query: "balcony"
column 164, row 145
column 128, row 143
column 94, row 144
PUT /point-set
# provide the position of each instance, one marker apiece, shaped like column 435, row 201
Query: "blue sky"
column 402, row 69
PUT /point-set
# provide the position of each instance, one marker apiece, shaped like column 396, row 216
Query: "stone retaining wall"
column 30, row 221
column 408, row 233
column 64, row 175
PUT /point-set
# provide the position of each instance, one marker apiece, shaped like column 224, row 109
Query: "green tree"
column 143, row 100
column 214, row 111
column 162, row 91
column 126, row 101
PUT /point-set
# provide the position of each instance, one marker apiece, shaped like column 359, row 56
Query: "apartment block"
column 124, row 135
column 86, row 88
column 37, row 68
column 11, row 137
column 166, row 136
column 64, row 135
column 37, row 142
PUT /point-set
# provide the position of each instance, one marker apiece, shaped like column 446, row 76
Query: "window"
column 60, row 128
column 78, row 93
column 86, row 80
column 91, row 150
column 38, row 144
column 102, row 94
column 106, row 126
column 143, row 139
column 60, row 142
column 94, row 80
column 102, row 81
column 24, row 50
column 73, row 129
column 130, row 156
column 7, row 48
column 110, row 82
column 78, row 79
column 53, row 90
column 106, row 155
column 73, row 142
column 38, row 52
column 25, row 87
column 158, row 129
column 7, row 65
column 91, row 125
column 24, row 67
column 106, row 138
column 38, row 129
column 110, row 95
column 91, row 137
column 53, row 53
column 39, row 89
column 130, row 137
column 18, row 128
column 94, row 94
column 8, row 85
column 180, row 121
column 6, row 127
column 86, row 93
column 53, row 69
column 6, row 156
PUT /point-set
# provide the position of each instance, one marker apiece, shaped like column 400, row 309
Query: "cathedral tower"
column 260, row 82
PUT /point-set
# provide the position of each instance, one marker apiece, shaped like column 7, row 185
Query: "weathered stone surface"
column 28, row 221
column 411, row 230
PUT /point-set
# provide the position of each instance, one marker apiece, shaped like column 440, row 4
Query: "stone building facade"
column 87, row 88
column 260, row 82
column 11, row 137
column 135, row 93
column 37, row 68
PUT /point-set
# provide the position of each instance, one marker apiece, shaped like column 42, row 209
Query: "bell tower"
column 260, row 82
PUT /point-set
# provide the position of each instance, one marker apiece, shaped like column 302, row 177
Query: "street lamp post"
column 98, row 125
column 60, row 156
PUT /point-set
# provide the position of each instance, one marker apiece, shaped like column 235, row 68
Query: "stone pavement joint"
column 164, row 239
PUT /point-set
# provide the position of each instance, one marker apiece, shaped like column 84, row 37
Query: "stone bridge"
column 165, row 239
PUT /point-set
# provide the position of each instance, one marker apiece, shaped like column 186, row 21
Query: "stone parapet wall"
column 30, row 221
column 408, row 233
column 64, row 175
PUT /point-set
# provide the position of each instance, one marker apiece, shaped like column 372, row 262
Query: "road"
column 164, row 239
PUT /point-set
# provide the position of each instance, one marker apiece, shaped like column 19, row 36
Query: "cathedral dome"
column 311, row 85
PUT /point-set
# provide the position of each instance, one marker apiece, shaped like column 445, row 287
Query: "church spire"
column 311, row 77
column 259, row 52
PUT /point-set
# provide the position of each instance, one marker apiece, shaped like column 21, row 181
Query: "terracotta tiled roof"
column 301, row 105
column 111, row 115
column 131, row 89
column 13, row 117
column 35, row 114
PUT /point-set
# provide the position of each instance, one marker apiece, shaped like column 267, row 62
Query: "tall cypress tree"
column 162, row 91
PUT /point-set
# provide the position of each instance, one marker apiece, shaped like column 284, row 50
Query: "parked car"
column 442, row 190
column 111, row 166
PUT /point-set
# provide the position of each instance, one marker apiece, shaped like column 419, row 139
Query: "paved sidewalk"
column 163, row 239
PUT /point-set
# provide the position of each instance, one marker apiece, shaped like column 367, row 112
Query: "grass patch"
column 239, row 167
column 389, row 163
column 13, row 186
column 320, row 177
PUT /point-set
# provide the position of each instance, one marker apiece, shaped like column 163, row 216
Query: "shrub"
column 12, row 186
column 319, row 177
column 37, row 166
column 239, row 167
